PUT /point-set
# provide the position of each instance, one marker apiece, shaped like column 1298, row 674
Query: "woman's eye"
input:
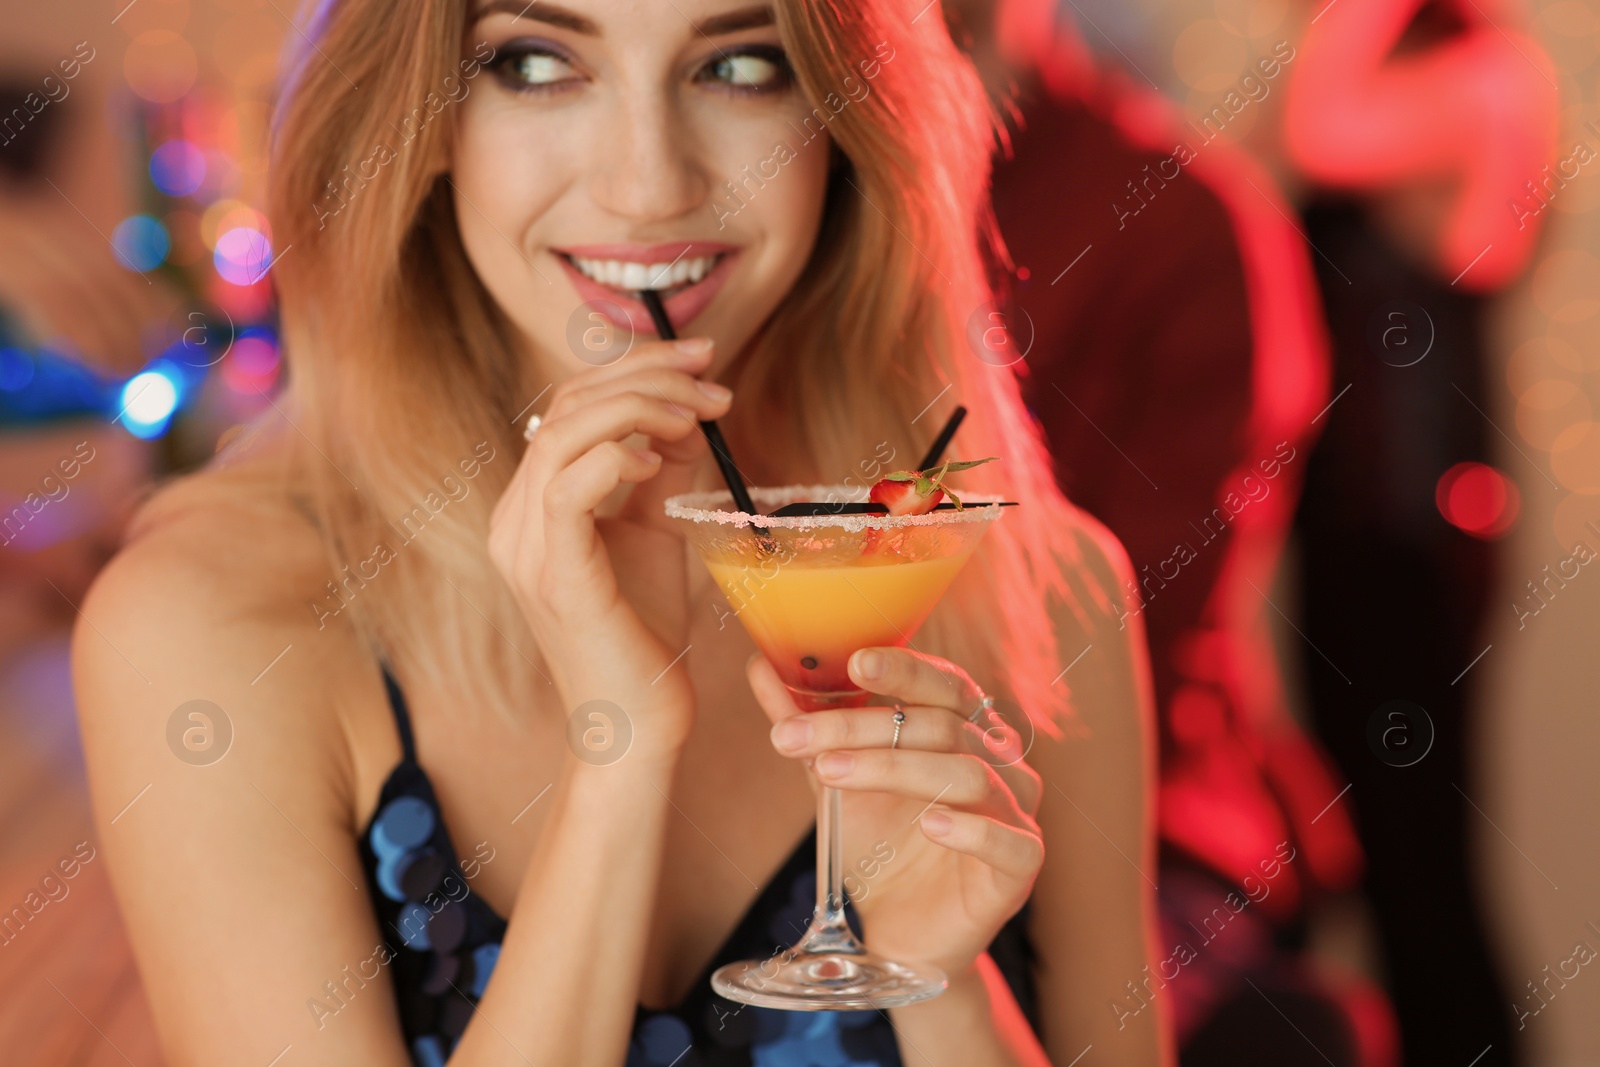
column 535, row 69
column 765, row 69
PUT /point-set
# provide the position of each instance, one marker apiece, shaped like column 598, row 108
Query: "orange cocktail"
column 811, row 589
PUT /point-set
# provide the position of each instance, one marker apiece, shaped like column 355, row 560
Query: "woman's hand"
column 606, row 597
column 940, row 843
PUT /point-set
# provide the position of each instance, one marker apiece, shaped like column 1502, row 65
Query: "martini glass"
column 811, row 590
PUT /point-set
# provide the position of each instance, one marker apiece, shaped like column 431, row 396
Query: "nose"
column 645, row 168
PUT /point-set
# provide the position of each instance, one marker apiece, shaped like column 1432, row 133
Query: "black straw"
column 942, row 442
column 719, row 447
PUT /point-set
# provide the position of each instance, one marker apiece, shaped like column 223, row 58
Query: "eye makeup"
column 542, row 65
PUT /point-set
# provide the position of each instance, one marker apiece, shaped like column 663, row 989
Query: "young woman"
column 333, row 688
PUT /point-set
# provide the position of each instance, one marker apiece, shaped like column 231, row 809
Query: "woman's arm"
column 1094, row 919
column 238, row 877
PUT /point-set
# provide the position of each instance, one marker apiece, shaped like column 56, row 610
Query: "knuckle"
column 977, row 777
column 953, row 735
column 845, row 730
column 557, row 496
column 1033, row 848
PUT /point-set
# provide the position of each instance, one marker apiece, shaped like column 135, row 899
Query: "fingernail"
column 869, row 664
column 715, row 390
column 649, row 455
column 936, row 822
column 835, row 764
column 791, row 735
column 693, row 346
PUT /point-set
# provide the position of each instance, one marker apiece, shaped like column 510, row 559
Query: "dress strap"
column 402, row 717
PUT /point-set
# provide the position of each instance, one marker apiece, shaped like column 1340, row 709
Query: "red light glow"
column 1478, row 499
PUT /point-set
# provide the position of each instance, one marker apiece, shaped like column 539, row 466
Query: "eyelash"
column 514, row 54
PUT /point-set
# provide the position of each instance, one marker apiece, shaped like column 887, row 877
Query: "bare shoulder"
column 1097, row 566
column 209, row 601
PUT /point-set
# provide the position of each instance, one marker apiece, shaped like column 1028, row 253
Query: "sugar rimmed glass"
column 811, row 590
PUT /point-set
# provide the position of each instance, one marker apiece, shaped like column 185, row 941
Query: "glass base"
column 828, row 981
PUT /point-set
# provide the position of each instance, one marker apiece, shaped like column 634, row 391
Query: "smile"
column 633, row 276
column 688, row 276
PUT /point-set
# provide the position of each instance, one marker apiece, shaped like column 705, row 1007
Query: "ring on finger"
column 986, row 704
column 534, row 422
column 899, row 721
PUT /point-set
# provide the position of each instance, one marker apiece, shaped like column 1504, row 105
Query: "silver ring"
column 899, row 720
column 534, row 422
column 986, row 704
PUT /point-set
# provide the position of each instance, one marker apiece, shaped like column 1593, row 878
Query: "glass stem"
column 829, row 931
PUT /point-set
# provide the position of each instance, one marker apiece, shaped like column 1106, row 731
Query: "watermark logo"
column 1400, row 733
column 992, row 337
column 199, row 733
column 599, row 732
column 1004, row 736
column 593, row 333
column 1401, row 333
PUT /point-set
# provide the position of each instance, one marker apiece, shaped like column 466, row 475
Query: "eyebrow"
column 730, row 22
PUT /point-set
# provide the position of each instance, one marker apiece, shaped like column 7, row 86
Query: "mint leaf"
column 968, row 464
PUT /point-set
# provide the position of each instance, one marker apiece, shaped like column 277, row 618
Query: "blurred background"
column 1366, row 231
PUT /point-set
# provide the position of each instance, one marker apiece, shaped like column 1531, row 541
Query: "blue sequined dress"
column 445, row 940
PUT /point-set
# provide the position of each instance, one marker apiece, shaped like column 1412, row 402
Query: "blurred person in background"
column 1428, row 131
column 1176, row 359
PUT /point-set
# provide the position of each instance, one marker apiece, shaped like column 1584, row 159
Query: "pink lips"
column 682, row 307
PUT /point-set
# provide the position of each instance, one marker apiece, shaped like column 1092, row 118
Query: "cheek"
column 780, row 181
column 508, row 175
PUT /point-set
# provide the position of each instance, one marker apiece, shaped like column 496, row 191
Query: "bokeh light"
column 242, row 255
column 160, row 66
column 178, row 168
column 140, row 242
column 148, row 401
column 16, row 369
column 225, row 215
column 1546, row 408
column 1575, row 457
column 1478, row 499
column 252, row 363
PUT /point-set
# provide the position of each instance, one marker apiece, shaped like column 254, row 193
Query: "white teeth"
column 628, row 274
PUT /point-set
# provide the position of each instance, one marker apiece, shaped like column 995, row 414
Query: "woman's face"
column 593, row 156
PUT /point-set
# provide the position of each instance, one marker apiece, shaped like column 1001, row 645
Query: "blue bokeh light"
column 141, row 243
column 16, row 369
column 178, row 168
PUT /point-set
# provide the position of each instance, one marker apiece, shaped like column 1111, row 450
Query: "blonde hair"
column 402, row 366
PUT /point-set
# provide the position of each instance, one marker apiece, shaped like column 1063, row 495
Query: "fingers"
column 560, row 441
column 956, row 779
column 1014, row 851
column 572, row 495
column 686, row 358
column 671, row 384
column 916, row 678
column 769, row 690
column 805, row 736
column 925, row 729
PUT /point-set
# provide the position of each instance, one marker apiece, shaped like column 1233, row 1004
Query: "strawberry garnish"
column 919, row 492
column 915, row 492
